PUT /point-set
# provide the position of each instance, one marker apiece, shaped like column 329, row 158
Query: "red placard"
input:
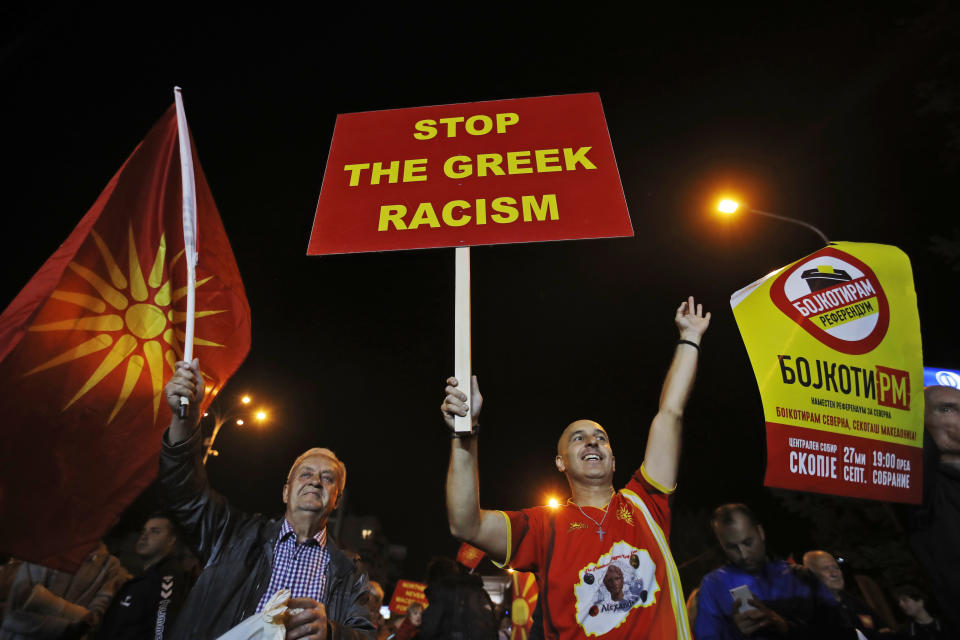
column 843, row 465
column 524, row 170
column 406, row 593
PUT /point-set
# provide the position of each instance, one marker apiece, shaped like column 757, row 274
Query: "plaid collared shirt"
column 302, row 568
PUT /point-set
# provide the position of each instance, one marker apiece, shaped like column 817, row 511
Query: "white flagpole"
column 461, row 330
column 189, row 232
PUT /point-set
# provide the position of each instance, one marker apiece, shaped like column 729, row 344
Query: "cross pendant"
column 601, row 533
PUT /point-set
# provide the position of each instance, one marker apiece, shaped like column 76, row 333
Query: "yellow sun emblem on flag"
column 623, row 513
column 133, row 318
column 525, row 597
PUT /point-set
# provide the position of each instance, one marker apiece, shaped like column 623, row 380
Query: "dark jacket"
column 147, row 605
column 934, row 531
column 236, row 550
column 460, row 609
column 857, row 614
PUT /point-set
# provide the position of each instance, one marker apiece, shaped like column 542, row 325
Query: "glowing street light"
column 221, row 417
column 730, row 207
column 553, row 503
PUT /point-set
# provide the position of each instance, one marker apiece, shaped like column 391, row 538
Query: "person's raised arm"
column 484, row 529
column 662, row 457
column 203, row 514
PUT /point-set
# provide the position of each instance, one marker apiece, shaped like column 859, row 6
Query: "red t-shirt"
column 623, row 584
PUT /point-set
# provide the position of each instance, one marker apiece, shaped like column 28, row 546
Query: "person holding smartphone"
column 756, row 597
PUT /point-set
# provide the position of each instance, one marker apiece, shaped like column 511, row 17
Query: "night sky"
column 822, row 114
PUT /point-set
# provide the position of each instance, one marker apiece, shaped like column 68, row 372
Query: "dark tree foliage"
column 938, row 106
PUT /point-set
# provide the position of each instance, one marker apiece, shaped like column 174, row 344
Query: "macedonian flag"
column 88, row 344
column 525, row 594
column 469, row 556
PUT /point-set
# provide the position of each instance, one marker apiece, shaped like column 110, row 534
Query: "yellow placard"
column 834, row 340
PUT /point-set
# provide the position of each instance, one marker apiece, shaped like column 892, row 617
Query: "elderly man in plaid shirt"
column 248, row 558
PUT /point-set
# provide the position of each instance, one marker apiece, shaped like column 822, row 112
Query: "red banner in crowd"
column 406, row 593
column 88, row 344
column 525, row 170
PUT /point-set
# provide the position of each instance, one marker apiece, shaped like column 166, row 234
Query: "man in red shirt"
column 603, row 560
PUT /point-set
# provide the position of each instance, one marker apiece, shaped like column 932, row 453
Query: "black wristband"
column 692, row 344
column 456, row 435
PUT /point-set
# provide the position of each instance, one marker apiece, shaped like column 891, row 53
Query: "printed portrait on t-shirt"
column 609, row 589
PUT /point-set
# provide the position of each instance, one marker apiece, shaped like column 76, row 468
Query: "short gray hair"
column 327, row 453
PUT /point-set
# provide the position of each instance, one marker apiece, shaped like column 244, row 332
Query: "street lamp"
column 730, row 207
column 221, row 417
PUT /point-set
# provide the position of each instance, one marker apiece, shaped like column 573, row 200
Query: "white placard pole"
column 461, row 319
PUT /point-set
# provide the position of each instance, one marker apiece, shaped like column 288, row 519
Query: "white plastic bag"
column 266, row 625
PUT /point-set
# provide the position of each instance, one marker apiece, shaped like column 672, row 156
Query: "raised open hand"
column 690, row 320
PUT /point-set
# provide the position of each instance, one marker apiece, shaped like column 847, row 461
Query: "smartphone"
column 744, row 596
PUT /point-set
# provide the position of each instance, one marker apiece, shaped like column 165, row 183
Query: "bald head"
column 584, row 453
column 577, row 426
column 825, row 567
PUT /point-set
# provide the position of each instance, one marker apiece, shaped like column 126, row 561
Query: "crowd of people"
column 603, row 561
column 627, row 586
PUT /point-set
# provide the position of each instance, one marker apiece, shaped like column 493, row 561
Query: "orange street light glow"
column 728, row 206
column 245, row 399
column 553, row 503
column 239, row 422
column 261, row 415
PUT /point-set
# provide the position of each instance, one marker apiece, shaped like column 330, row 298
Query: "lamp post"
column 222, row 416
column 730, row 207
